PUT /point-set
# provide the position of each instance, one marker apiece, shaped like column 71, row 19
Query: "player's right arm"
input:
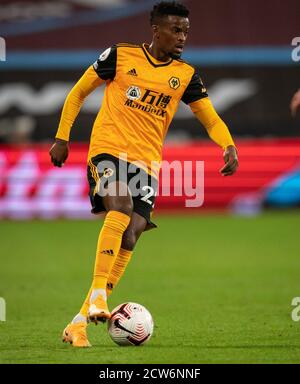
column 86, row 84
column 97, row 74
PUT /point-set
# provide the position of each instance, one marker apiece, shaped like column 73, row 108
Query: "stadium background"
column 244, row 52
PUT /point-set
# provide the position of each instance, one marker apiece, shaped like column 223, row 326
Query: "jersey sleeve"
column 195, row 90
column 86, row 84
column 105, row 66
column 212, row 122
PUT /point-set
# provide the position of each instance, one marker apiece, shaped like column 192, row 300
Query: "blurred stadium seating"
column 244, row 52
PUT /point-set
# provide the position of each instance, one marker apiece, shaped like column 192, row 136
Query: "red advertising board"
column 30, row 187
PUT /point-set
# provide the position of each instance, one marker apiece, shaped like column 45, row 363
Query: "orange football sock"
column 109, row 244
column 85, row 307
column 118, row 269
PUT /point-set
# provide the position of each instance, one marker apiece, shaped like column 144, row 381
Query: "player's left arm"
column 197, row 98
column 218, row 132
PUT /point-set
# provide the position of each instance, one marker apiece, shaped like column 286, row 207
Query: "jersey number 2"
column 149, row 195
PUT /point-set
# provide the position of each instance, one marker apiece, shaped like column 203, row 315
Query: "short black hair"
column 165, row 8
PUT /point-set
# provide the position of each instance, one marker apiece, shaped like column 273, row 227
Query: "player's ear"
column 155, row 30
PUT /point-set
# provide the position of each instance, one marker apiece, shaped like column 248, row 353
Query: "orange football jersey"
column 140, row 100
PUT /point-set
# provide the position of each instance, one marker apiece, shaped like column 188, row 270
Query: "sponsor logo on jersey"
column 146, row 108
column 152, row 101
column 156, row 99
column 133, row 93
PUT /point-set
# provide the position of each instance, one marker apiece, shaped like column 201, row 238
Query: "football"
column 130, row 324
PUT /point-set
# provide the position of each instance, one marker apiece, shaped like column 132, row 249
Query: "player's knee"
column 129, row 239
column 123, row 205
column 126, row 208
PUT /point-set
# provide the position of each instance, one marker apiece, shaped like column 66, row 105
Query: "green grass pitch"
column 219, row 289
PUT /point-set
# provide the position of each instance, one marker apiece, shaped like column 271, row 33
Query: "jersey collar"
column 152, row 60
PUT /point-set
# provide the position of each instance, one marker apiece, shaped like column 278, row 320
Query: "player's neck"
column 157, row 53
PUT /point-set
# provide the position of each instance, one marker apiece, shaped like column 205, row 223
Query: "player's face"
column 172, row 33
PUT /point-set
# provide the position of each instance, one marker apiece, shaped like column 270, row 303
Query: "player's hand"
column 59, row 152
column 231, row 161
column 295, row 103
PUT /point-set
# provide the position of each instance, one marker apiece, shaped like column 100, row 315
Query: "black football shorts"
column 105, row 168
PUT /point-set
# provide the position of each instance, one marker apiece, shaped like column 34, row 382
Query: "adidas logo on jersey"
column 108, row 252
column 132, row 72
